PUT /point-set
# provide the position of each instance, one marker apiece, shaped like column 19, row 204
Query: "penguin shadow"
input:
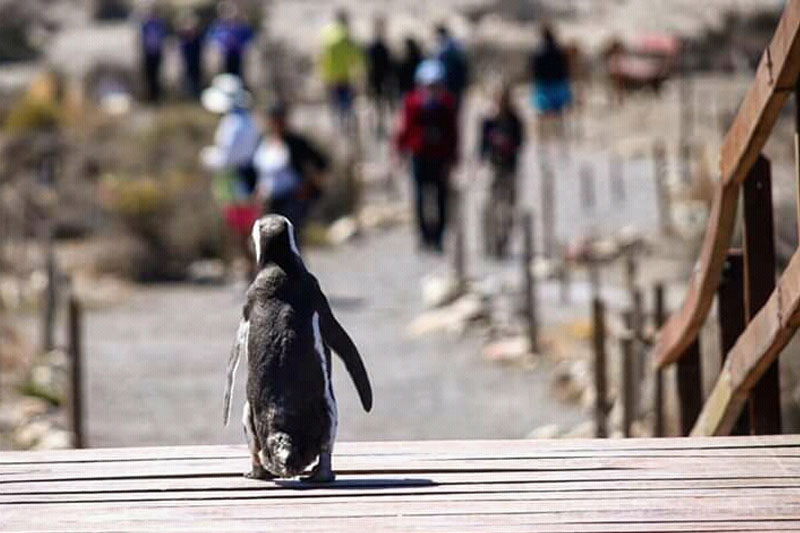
column 357, row 484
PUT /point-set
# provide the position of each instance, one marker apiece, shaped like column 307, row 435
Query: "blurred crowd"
column 415, row 99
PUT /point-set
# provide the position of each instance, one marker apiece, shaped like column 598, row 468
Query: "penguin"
column 286, row 334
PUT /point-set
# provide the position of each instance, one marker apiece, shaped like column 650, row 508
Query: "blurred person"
column 428, row 133
column 380, row 75
column 501, row 138
column 341, row 62
column 290, row 169
column 231, row 34
column 153, row 33
column 231, row 155
column 451, row 54
column 550, row 72
column 407, row 66
column 191, row 40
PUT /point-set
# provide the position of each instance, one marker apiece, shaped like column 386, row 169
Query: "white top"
column 235, row 142
column 276, row 177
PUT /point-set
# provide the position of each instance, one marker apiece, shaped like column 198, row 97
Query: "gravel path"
column 156, row 363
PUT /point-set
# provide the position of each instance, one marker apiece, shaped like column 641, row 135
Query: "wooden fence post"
column 530, row 281
column 731, row 317
column 75, row 347
column 690, row 386
column 659, row 317
column 50, row 302
column 600, row 378
column 548, row 208
column 759, row 271
column 662, row 194
column 459, row 248
column 588, row 194
column 627, row 385
column 616, row 179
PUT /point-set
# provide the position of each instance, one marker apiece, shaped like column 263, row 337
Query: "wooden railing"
column 758, row 317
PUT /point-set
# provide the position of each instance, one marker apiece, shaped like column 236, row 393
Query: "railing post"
column 730, row 312
column 659, row 317
column 530, row 282
column 75, row 348
column 759, row 270
column 690, row 386
column 627, row 385
column 600, row 379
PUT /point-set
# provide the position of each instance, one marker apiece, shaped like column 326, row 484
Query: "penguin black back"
column 286, row 331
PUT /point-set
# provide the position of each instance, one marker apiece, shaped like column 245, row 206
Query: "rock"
column 342, row 230
column 570, row 380
column 689, row 218
column 507, row 350
column 452, row 318
column 438, row 291
column 543, row 268
column 28, row 435
column 584, row 430
column 549, row 431
column 207, row 271
column 55, row 439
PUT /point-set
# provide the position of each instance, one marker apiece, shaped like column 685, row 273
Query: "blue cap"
column 429, row 72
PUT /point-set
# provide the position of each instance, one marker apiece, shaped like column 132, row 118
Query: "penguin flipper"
column 340, row 342
column 239, row 347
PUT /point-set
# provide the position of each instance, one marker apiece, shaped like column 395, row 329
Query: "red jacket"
column 428, row 125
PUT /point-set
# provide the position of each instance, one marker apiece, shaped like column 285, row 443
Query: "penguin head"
column 274, row 241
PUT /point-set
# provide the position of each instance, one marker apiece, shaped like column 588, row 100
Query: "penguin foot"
column 319, row 476
column 259, row 472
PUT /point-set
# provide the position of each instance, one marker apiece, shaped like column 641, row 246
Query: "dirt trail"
column 156, row 363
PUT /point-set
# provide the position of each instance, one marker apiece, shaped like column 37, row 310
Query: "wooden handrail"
column 758, row 346
column 775, row 79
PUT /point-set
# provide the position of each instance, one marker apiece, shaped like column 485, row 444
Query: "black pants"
column 152, row 73
column 431, row 181
column 233, row 63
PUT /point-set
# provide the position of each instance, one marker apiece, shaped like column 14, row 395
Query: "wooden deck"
column 700, row 484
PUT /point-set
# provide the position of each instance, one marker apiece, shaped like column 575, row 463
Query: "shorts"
column 551, row 97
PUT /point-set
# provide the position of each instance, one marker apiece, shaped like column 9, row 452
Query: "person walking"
column 191, row 40
column 451, row 54
column 407, row 66
column 340, row 63
column 501, row 138
column 550, row 73
column 428, row 133
column 232, row 35
column 290, row 169
column 380, row 76
column 153, row 33
column 231, row 155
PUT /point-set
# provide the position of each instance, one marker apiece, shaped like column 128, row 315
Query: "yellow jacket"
column 341, row 59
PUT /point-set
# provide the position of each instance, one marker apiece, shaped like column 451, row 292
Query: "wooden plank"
column 490, row 449
column 776, row 74
column 690, row 384
column 759, row 269
column 757, row 348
